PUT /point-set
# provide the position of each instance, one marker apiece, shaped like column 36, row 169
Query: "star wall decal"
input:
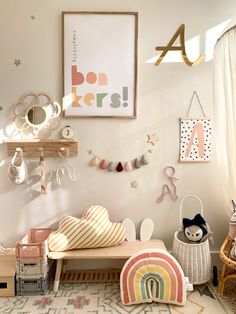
column 17, row 62
column 152, row 139
column 134, row 184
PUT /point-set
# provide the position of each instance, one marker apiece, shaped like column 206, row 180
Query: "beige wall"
column 163, row 96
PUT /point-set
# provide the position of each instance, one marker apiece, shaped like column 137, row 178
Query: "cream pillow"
column 93, row 230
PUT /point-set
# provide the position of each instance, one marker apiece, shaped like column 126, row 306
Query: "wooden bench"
column 122, row 251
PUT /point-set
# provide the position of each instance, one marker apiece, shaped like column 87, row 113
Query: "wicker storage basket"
column 194, row 258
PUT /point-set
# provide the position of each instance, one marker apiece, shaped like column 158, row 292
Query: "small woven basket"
column 194, row 258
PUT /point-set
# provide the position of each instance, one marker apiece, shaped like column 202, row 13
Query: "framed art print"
column 195, row 139
column 99, row 64
column 195, row 136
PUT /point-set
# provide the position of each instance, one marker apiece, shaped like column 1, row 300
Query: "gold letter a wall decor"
column 169, row 47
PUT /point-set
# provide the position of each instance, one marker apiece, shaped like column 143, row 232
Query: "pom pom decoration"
column 119, row 167
column 103, row 164
column 145, row 159
column 128, row 166
column 94, row 161
column 111, row 166
column 137, row 163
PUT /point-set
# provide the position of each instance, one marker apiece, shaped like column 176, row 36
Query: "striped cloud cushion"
column 94, row 229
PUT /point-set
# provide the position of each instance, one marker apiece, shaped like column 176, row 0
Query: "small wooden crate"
column 34, row 245
column 7, row 274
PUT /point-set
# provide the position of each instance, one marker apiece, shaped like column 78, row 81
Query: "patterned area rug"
column 229, row 296
column 104, row 298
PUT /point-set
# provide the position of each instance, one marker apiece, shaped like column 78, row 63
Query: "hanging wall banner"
column 100, row 64
column 195, row 137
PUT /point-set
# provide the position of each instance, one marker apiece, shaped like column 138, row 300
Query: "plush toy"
column 196, row 229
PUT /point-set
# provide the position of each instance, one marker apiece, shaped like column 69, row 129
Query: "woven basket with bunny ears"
column 194, row 258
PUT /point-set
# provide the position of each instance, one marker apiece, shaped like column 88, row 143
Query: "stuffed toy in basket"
column 191, row 246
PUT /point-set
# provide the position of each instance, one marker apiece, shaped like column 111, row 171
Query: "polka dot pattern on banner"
column 191, row 147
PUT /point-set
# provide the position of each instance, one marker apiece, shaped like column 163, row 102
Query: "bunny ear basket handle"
column 181, row 208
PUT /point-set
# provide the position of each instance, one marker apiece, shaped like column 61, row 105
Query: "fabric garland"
column 119, row 166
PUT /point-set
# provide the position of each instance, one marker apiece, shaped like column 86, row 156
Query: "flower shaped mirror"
column 36, row 115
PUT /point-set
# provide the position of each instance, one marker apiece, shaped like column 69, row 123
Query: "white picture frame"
column 99, row 64
column 195, row 139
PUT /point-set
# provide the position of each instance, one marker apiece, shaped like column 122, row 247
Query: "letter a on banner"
column 195, row 137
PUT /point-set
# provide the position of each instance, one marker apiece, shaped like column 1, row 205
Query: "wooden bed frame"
column 122, row 251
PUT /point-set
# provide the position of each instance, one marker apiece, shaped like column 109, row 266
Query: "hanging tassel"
column 119, row 167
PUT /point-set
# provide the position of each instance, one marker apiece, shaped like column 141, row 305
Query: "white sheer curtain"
column 225, row 111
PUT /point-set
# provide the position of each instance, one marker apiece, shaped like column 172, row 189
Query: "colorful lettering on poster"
column 79, row 78
column 101, row 79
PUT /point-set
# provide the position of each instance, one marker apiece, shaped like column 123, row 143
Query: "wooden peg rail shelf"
column 49, row 147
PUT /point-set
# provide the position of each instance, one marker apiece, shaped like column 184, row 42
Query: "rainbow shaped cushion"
column 152, row 275
column 93, row 230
